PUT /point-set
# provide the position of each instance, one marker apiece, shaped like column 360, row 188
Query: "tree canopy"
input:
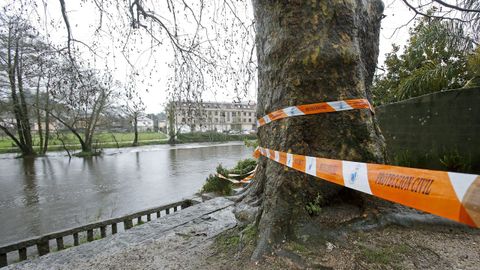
column 439, row 55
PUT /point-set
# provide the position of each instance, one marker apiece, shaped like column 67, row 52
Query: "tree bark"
column 24, row 116
column 14, row 70
column 309, row 52
column 135, row 129
column 98, row 108
column 39, row 116
column 12, row 61
column 85, row 147
column 12, row 136
column 47, row 117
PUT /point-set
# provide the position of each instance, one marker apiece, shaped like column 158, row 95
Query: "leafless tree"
column 80, row 100
column 26, row 62
column 133, row 107
column 464, row 12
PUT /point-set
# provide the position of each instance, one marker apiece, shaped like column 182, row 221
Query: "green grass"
column 298, row 247
column 232, row 240
column 385, row 255
column 250, row 232
column 104, row 139
column 228, row 241
column 212, row 137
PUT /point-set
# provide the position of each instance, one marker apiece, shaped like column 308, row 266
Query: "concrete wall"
column 426, row 128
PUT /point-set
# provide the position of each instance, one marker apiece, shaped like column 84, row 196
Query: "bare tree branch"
column 456, row 7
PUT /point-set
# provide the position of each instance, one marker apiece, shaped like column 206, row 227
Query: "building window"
column 249, row 114
column 244, row 114
column 216, row 112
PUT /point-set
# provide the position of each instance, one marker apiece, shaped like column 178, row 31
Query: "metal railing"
column 42, row 242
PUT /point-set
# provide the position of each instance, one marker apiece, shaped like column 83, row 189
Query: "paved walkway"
column 177, row 241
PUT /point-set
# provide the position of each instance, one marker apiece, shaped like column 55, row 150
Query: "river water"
column 52, row 193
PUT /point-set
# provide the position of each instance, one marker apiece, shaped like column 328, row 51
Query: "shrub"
column 222, row 186
column 454, row 162
column 217, row 184
column 314, row 207
column 250, row 143
column 244, row 166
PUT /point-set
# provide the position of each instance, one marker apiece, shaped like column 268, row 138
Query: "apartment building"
column 215, row 116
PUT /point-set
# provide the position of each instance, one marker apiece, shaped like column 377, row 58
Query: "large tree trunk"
column 309, row 52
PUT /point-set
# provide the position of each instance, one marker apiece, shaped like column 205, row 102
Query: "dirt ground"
column 406, row 241
column 393, row 247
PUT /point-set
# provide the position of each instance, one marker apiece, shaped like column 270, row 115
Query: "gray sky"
column 397, row 15
column 153, row 64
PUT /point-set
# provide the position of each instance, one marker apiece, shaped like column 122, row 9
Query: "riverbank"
column 207, row 236
column 122, row 140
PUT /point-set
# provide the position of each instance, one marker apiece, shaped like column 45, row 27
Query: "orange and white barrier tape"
column 245, row 180
column 315, row 108
column 455, row 196
column 238, row 175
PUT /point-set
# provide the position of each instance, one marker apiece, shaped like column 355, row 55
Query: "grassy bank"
column 212, row 137
column 101, row 140
column 107, row 140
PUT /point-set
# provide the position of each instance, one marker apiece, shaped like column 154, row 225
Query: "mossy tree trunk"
column 308, row 52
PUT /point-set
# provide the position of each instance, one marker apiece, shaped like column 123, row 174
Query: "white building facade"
column 144, row 124
column 216, row 116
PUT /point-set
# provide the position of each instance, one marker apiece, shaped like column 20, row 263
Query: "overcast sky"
column 152, row 64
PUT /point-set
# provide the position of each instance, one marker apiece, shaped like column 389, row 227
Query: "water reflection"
column 53, row 193
column 137, row 160
column 29, row 182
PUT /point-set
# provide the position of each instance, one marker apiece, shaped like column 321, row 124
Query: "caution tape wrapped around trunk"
column 315, row 108
column 455, row 196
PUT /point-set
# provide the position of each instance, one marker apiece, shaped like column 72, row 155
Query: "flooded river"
column 52, row 193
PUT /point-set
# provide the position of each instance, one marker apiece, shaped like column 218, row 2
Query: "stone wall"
column 424, row 131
